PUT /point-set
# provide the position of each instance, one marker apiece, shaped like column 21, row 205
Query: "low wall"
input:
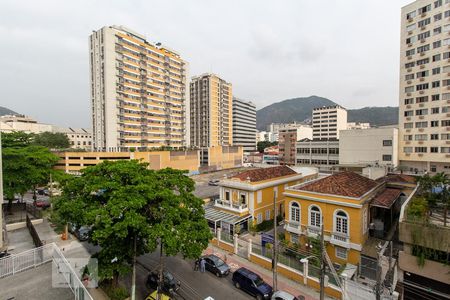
column 223, row 245
column 18, row 225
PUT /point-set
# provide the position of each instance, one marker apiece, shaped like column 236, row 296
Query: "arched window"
column 294, row 212
column 341, row 222
column 315, row 216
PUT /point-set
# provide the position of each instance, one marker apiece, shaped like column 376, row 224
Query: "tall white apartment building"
column 327, row 121
column 244, row 124
column 211, row 111
column 424, row 121
column 138, row 92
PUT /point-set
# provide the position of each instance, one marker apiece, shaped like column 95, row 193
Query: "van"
column 251, row 283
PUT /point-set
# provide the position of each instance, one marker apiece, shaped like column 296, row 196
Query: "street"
column 194, row 284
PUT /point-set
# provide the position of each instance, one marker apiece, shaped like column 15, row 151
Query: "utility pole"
column 133, row 278
column 275, row 243
column 160, row 275
column 322, row 263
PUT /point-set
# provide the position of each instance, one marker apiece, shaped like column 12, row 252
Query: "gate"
column 242, row 248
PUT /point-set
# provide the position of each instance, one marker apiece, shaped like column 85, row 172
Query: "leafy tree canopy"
column 264, row 144
column 52, row 140
column 124, row 201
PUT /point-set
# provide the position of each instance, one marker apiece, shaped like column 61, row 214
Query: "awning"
column 215, row 215
column 386, row 198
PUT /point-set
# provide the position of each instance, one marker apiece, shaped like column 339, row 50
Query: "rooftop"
column 386, row 198
column 347, row 184
column 398, row 178
column 264, row 174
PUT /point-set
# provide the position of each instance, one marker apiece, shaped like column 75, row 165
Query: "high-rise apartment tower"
column 244, row 124
column 424, row 120
column 138, row 92
column 211, row 111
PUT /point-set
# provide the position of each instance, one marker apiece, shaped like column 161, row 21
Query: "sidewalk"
column 285, row 284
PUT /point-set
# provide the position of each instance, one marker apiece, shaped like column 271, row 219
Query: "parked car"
column 82, row 233
column 251, row 283
column 282, row 295
column 216, row 266
column 214, row 182
column 169, row 286
column 42, row 203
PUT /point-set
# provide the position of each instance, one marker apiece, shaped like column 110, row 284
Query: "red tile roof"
column 265, row 173
column 386, row 198
column 348, row 184
column 398, row 178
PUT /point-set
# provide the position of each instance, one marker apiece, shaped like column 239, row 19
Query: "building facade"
column 287, row 139
column 424, row 114
column 317, row 153
column 356, row 125
column 211, row 111
column 375, row 146
column 327, row 121
column 138, row 92
column 244, row 124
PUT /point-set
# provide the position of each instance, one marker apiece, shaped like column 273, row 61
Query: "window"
column 421, row 124
column 445, row 82
column 421, row 112
column 420, row 149
column 434, row 136
column 437, row 3
column 408, row 113
column 445, row 109
column 446, row 28
column 424, row 9
column 294, row 212
column 341, row 252
column 387, row 157
column 422, row 74
column 410, row 65
column 437, row 30
column 436, row 57
column 341, row 222
column 227, row 195
column 410, row 52
column 445, row 123
column 409, row 77
column 408, row 125
column 409, row 101
column 433, row 168
column 407, row 149
column 268, row 214
column 423, row 35
column 447, row 14
column 446, row 55
column 409, row 89
column 315, row 216
column 407, row 137
column 434, row 123
column 445, row 149
column 445, row 136
column 411, row 15
column 434, row 149
column 436, row 71
column 243, row 199
column 446, row 42
column 387, row 142
column 436, row 44
column 423, row 86
column 410, row 40
column 294, row 238
column 259, row 218
column 420, row 137
column 435, row 97
column 437, row 17
column 435, row 84
column 434, row 110
column 424, row 22
column 423, row 48
column 422, row 99
column 423, row 61
column 446, row 69
column 446, row 96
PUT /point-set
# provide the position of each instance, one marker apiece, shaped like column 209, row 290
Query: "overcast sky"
column 346, row 50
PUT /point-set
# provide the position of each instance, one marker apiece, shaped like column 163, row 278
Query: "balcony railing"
column 340, row 239
column 238, row 207
column 293, row 227
column 313, row 231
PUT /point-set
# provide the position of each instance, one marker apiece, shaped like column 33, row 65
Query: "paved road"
column 194, row 285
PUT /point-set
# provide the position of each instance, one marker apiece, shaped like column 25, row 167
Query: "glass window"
column 408, row 125
column 295, row 212
column 434, row 136
column 387, row 142
column 341, row 252
column 407, row 149
column 341, row 220
column 315, row 217
column 387, row 157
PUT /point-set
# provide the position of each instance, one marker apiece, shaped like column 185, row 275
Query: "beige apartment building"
column 327, row 121
column 138, row 92
column 424, row 121
column 211, row 111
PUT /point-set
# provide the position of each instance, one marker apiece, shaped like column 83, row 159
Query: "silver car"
column 281, row 295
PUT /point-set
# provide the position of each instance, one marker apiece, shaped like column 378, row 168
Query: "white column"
column 249, row 248
column 219, row 233
column 235, row 240
column 304, row 261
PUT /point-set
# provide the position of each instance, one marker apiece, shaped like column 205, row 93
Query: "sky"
column 346, row 50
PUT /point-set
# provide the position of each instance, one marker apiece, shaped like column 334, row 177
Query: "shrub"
column 116, row 293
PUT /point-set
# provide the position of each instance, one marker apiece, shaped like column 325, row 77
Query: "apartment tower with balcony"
column 211, row 111
column 424, row 114
column 138, row 92
column 244, row 124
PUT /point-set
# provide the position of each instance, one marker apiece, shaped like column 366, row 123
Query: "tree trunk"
column 9, row 208
column 115, row 281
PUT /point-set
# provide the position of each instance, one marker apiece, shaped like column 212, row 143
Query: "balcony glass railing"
column 231, row 205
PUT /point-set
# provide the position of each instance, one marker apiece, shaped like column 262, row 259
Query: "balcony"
column 340, row 239
column 230, row 205
column 313, row 231
column 293, row 227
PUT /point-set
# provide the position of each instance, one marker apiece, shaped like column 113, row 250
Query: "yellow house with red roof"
column 248, row 197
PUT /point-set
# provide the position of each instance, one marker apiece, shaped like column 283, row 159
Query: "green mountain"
column 6, row 111
column 300, row 109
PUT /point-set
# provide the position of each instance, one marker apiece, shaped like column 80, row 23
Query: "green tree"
column 264, row 144
column 131, row 209
column 25, row 166
column 52, row 140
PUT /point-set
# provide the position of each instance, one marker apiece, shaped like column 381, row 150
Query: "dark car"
column 214, row 182
column 42, row 203
column 216, row 266
column 251, row 283
column 82, row 233
column 169, row 286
